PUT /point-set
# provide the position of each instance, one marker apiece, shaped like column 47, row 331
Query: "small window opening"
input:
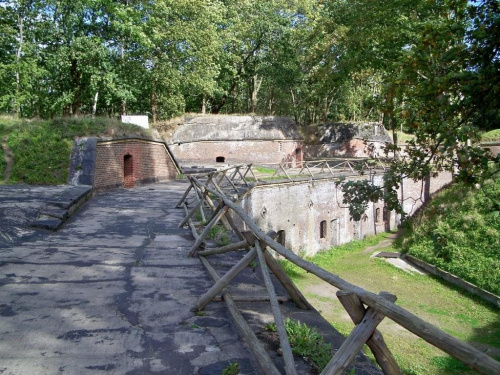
column 220, row 159
column 280, row 238
column 377, row 215
column 322, row 229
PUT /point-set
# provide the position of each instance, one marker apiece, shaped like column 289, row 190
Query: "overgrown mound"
column 41, row 149
column 460, row 232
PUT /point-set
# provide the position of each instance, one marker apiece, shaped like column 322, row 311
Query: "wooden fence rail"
column 351, row 296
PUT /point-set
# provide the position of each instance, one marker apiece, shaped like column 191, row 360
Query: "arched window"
column 386, row 214
column 220, row 159
column 377, row 215
column 280, row 238
column 128, row 171
column 322, row 229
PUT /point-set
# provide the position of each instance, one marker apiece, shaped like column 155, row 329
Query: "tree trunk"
column 17, row 105
column 256, row 83
column 75, row 78
column 94, row 105
column 271, row 101
column 123, row 104
column 204, row 104
column 154, row 102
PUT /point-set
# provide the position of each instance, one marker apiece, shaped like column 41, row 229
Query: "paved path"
column 111, row 292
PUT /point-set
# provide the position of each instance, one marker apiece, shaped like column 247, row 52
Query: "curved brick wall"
column 234, row 152
column 130, row 162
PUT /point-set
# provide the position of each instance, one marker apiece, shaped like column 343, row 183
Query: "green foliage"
column 459, row 232
column 220, row 235
column 491, row 136
column 233, row 368
column 306, row 342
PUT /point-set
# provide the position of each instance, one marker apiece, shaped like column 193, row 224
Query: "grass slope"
column 459, row 231
column 42, row 149
column 435, row 301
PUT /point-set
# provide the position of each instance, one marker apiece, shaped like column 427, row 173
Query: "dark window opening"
column 280, row 238
column 385, row 214
column 220, row 159
column 128, row 171
column 322, row 229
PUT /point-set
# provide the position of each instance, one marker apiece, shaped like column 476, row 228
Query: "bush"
column 459, row 232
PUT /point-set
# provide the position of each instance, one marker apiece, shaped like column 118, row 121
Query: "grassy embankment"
column 42, row 149
column 459, row 232
column 491, row 136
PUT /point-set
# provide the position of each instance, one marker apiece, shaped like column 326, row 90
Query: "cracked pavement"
column 111, row 292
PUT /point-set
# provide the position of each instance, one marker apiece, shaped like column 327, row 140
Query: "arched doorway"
column 128, row 171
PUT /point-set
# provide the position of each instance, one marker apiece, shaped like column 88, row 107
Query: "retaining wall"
column 312, row 217
column 114, row 163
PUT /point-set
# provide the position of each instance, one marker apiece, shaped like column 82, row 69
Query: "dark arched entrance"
column 220, row 159
column 128, row 171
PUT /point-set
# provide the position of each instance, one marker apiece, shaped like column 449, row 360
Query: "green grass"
column 233, row 368
column 306, row 342
column 402, row 136
column 220, row 235
column 42, row 148
column 491, row 136
column 264, row 170
column 460, row 232
column 451, row 309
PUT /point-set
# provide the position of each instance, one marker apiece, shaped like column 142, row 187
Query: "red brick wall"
column 235, row 152
column 151, row 162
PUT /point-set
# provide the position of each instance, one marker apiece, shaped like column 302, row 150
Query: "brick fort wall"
column 134, row 161
column 311, row 216
column 236, row 152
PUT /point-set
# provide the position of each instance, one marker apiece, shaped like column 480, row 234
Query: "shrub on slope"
column 459, row 232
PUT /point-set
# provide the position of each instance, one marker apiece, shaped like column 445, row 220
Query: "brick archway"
column 128, row 171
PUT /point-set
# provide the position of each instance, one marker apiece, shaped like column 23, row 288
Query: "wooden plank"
column 205, row 232
column 224, row 249
column 191, row 226
column 467, row 354
column 225, row 280
column 281, row 299
column 265, row 363
column 278, row 318
column 376, row 342
column 185, row 195
column 353, row 344
column 190, row 214
column 287, row 283
column 201, row 198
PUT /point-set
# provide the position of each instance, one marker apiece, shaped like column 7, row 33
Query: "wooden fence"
column 322, row 168
column 217, row 193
